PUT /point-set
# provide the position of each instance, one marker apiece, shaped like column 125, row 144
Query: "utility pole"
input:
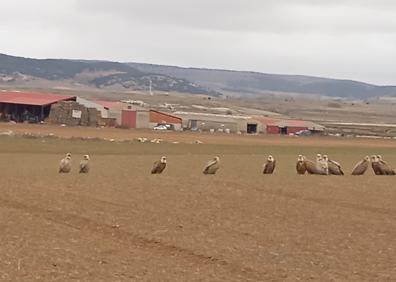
column 150, row 88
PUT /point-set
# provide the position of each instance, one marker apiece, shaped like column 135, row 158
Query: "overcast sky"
column 352, row 39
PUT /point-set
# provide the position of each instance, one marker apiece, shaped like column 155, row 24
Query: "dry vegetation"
column 120, row 223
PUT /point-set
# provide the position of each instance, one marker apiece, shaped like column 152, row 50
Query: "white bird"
column 65, row 164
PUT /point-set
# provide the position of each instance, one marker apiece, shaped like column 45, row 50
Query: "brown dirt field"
column 120, row 223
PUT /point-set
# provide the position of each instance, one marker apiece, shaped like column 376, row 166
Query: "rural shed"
column 219, row 122
column 133, row 116
column 113, row 108
column 157, row 118
column 287, row 126
column 28, row 106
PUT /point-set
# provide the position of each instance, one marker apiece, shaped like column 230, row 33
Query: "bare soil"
column 120, row 223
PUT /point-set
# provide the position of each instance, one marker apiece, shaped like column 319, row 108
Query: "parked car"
column 164, row 126
column 304, row 133
column 160, row 127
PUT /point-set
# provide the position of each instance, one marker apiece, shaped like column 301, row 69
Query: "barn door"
column 128, row 119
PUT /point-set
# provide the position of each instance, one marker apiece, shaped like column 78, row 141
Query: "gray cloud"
column 354, row 39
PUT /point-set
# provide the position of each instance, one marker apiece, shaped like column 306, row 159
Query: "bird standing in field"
column 311, row 166
column 362, row 166
column 376, row 165
column 84, row 164
column 212, row 166
column 159, row 166
column 322, row 165
column 385, row 167
column 300, row 165
column 269, row 166
column 334, row 167
column 65, row 164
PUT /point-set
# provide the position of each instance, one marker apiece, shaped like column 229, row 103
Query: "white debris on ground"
column 7, row 133
column 157, row 141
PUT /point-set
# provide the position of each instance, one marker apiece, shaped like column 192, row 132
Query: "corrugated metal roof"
column 209, row 115
column 297, row 123
column 265, row 120
column 31, row 98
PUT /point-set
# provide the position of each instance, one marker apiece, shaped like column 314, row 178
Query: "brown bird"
column 377, row 166
column 269, row 166
column 84, row 164
column 311, row 166
column 65, row 164
column 159, row 166
column 334, row 167
column 300, row 165
column 362, row 166
column 385, row 167
column 212, row 166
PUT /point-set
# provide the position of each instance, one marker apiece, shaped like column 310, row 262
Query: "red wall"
column 128, row 119
column 272, row 129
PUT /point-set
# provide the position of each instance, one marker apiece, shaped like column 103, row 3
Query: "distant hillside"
column 102, row 74
column 258, row 83
column 137, row 76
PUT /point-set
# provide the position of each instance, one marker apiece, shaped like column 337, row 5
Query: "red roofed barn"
column 28, row 106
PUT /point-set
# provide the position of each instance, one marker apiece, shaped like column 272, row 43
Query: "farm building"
column 104, row 112
column 216, row 122
column 72, row 113
column 138, row 117
column 113, row 109
column 293, row 126
column 28, row 106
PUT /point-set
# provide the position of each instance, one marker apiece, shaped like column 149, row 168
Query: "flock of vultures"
column 321, row 166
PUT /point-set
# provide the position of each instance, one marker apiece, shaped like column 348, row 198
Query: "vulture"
column 269, row 166
column 65, row 164
column 334, row 167
column 386, row 168
column 377, row 166
column 311, row 167
column 84, row 164
column 300, row 165
column 361, row 167
column 159, row 166
column 212, row 166
column 322, row 165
